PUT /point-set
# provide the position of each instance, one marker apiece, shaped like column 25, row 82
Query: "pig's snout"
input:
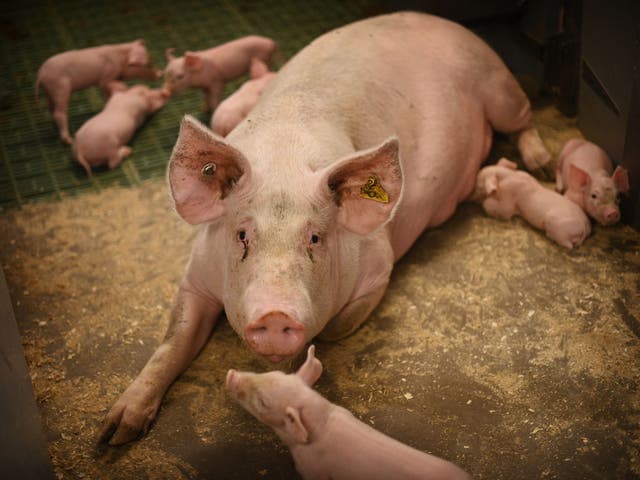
column 229, row 382
column 611, row 216
column 276, row 336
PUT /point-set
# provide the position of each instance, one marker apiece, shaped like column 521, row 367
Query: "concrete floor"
column 493, row 347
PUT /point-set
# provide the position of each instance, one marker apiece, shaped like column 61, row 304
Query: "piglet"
column 327, row 441
column 62, row 74
column 210, row 69
column 237, row 106
column 505, row 191
column 103, row 138
column 584, row 175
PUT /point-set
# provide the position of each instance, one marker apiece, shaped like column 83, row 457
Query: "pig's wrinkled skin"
column 62, row 74
column 368, row 136
column 210, row 69
column 505, row 191
column 585, row 176
column 325, row 440
column 104, row 137
column 232, row 110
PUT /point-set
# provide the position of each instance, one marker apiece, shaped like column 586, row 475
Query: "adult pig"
column 369, row 135
column 238, row 105
column 104, row 137
column 62, row 74
column 585, row 176
column 505, row 192
column 210, row 69
column 326, row 440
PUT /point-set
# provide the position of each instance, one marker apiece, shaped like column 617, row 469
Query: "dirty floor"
column 493, row 347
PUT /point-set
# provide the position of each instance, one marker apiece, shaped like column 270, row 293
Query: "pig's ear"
column 366, row 186
column 202, row 171
column 192, row 61
column 311, row 369
column 168, row 53
column 505, row 162
column 491, row 184
column 578, row 178
column 138, row 55
column 293, row 425
column 258, row 68
column 620, row 178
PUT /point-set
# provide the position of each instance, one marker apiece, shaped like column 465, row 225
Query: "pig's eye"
column 242, row 238
column 594, row 196
column 314, row 239
column 242, row 235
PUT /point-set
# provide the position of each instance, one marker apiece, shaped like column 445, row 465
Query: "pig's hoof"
column 67, row 139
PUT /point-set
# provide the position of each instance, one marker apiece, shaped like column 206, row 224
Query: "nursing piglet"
column 327, row 441
column 237, row 106
column 585, row 176
column 103, row 138
column 210, row 69
column 62, row 74
column 505, row 191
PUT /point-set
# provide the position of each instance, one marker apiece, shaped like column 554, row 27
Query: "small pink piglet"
column 585, row 176
column 103, row 138
column 62, row 74
column 238, row 105
column 325, row 440
column 505, row 191
column 210, row 69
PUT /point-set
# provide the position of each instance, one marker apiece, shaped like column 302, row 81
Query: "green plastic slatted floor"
column 36, row 165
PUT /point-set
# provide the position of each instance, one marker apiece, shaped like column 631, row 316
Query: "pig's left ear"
column 192, row 61
column 202, row 171
column 138, row 54
column 620, row 178
column 366, row 186
column 311, row 369
column 293, row 425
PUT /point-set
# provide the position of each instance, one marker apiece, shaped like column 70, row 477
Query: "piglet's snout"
column 611, row 216
column 276, row 336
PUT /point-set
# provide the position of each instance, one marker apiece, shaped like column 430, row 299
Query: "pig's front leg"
column 192, row 320
column 212, row 96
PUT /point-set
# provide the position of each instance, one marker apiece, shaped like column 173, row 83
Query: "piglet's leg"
column 192, row 320
column 120, row 154
column 58, row 105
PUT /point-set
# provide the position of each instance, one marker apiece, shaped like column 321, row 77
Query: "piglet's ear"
column 294, row 427
column 366, row 186
column 505, row 162
column 202, row 171
column 491, row 184
column 578, row 178
column 192, row 61
column 311, row 369
column 620, row 178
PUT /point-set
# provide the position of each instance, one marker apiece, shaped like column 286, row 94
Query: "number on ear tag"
column 374, row 191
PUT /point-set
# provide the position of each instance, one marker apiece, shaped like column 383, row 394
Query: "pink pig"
column 235, row 108
column 103, row 138
column 584, row 175
column 62, row 74
column 368, row 136
column 210, row 69
column 327, row 441
column 505, row 192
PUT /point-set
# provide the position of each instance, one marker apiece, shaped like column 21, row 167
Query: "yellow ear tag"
column 374, row 191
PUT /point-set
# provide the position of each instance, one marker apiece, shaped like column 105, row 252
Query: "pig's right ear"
column 578, row 178
column 202, row 171
column 491, row 184
column 168, row 53
column 192, row 61
column 366, row 186
column 311, row 369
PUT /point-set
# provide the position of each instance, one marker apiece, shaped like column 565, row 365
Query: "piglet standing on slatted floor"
column 327, row 441
column 210, row 69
